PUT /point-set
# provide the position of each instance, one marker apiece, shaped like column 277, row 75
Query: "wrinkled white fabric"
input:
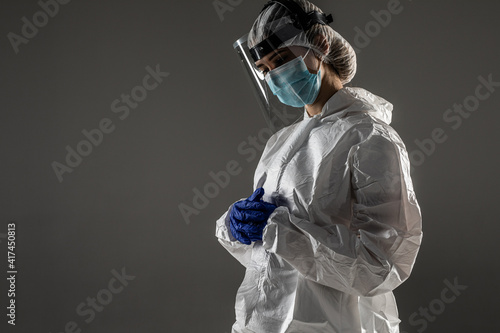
column 347, row 229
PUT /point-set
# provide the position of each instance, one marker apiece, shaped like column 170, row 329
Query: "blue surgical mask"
column 294, row 84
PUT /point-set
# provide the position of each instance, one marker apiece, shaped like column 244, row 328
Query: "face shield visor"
column 288, row 77
column 276, row 114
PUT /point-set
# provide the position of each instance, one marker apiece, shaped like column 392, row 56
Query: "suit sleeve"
column 377, row 252
column 240, row 251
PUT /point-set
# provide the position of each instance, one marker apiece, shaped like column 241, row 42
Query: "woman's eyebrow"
column 273, row 56
column 277, row 52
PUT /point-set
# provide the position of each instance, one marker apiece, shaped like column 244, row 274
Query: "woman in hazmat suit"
column 333, row 225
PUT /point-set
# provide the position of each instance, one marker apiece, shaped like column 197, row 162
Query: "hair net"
column 340, row 55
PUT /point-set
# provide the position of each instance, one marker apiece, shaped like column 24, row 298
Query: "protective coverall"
column 347, row 229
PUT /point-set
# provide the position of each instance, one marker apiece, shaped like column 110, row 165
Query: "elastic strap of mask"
column 304, row 58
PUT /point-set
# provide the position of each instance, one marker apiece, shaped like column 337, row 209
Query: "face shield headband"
column 301, row 21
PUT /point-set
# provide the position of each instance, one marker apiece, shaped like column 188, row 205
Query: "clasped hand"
column 249, row 217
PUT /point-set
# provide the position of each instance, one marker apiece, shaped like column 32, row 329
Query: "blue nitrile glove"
column 249, row 217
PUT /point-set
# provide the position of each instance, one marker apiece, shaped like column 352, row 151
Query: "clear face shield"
column 283, row 75
column 276, row 114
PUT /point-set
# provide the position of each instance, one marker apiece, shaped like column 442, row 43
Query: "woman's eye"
column 280, row 61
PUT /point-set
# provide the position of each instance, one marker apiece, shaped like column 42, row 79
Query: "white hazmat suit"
column 347, row 229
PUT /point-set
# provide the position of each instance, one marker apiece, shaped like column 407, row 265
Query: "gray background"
column 120, row 206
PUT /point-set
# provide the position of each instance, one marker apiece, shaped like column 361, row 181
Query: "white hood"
column 355, row 99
